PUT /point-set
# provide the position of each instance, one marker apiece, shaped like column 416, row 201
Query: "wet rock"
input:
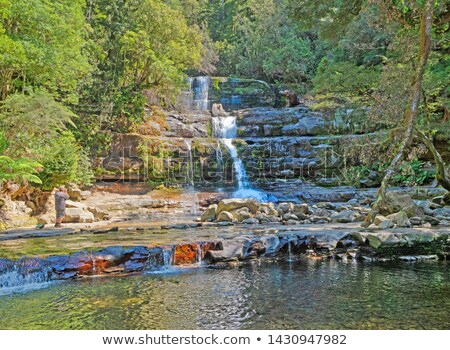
column 106, row 230
column 373, row 241
column 180, row 226
column 210, row 213
column 236, row 203
column 231, row 250
column 251, row 221
column 271, row 244
column 225, row 216
column 185, row 254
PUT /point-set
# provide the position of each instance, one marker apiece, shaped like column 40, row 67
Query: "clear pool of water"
column 306, row 294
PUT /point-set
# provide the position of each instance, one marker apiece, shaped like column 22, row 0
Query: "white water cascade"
column 225, row 129
column 190, row 163
column 199, row 87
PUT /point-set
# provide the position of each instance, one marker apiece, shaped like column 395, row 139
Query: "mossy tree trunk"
column 426, row 24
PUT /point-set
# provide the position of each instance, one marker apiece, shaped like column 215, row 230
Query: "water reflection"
column 305, row 294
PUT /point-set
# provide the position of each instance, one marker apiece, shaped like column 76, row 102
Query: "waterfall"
column 199, row 87
column 225, row 129
column 190, row 163
column 17, row 280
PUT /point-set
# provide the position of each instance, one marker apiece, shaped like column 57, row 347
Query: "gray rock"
column 431, row 220
column 379, row 219
column 289, row 216
column 373, row 241
column 301, row 210
column 225, row 216
column 442, row 212
column 241, row 214
column 284, row 208
column 210, row 213
column 396, row 201
column 386, row 225
column 345, row 216
column 416, row 221
column 236, row 203
column 400, row 219
column 250, row 221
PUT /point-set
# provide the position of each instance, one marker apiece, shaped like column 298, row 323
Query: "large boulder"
column 225, row 216
column 74, row 191
column 301, row 209
column 76, row 215
column 210, row 213
column 78, row 205
column 395, row 201
column 241, row 214
column 400, row 219
column 284, row 208
column 236, row 203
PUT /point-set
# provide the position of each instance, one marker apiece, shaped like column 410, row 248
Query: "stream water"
column 306, row 294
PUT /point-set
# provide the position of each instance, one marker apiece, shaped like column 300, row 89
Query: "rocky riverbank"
column 242, row 246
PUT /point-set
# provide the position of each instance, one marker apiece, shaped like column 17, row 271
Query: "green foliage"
column 32, row 121
column 42, row 43
column 136, row 45
column 60, row 162
column 413, row 173
column 37, row 127
column 20, row 170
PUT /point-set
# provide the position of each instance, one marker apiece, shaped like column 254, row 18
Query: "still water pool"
column 299, row 295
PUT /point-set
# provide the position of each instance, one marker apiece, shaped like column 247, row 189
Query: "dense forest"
column 72, row 69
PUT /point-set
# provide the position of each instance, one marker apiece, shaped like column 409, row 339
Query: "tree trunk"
column 441, row 175
column 411, row 112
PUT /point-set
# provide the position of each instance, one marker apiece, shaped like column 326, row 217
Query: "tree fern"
column 21, row 170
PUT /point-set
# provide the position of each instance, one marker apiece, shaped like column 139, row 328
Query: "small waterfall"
column 290, row 258
column 199, row 87
column 168, row 257
column 199, row 255
column 238, row 166
column 225, row 129
column 219, row 157
column 14, row 280
column 190, row 163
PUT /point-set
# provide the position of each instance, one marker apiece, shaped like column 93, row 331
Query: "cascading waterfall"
column 190, row 163
column 13, row 280
column 199, row 87
column 225, row 129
